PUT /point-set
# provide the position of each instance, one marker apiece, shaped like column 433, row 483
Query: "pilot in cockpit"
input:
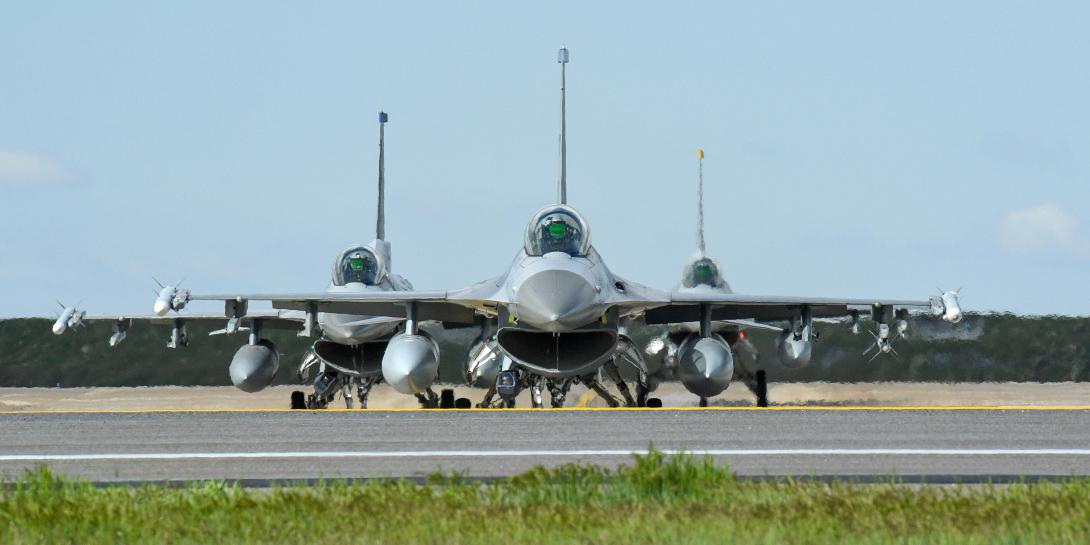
column 359, row 266
column 558, row 234
column 702, row 272
column 557, row 230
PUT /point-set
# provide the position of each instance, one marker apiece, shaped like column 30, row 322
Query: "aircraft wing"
column 635, row 298
column 446, row 306
column 723, row 325
column 275, row 319
column 686, row 307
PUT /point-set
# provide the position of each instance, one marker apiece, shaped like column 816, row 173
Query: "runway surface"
column 128, row 446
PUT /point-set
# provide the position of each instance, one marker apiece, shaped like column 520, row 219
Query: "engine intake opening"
column 557, row 354
column 365, row 359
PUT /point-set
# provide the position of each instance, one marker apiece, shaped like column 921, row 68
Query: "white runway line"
column 535, row 453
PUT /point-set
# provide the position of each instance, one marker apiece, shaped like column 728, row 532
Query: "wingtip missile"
column 170, row 298
column 70, row 317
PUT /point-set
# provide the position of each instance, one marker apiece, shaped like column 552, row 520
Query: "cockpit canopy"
column 358, row 264
column 557, row 229
column 702, row 271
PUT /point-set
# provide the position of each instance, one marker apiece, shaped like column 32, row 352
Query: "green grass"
column 657, row 499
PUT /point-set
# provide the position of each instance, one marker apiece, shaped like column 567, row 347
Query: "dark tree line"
column 994, row 347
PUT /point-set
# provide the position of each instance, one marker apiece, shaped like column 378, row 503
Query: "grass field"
column 656, row 499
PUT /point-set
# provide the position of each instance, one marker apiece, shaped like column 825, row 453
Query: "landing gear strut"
column 429, row 399
column 591, row 382
column 614, row 374
column 558, row 390
column 756, row 382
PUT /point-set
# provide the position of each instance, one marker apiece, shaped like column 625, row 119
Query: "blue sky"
column 858, row 149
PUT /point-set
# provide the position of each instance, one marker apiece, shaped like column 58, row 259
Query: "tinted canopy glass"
column 358, row 265
column 557, row 229
column 702, row 271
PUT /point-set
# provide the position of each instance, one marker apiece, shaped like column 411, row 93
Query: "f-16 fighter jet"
column 698, row 359
column 558, row 312
column 347, row 357
column 703, row 350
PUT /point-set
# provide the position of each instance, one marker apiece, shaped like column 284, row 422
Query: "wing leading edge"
column 687, row 307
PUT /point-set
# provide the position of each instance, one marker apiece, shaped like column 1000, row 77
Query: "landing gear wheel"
column 463, row 403
column 703, row 402
column 509, row 403
column 316, row 402
column 762, row 389
column 298, row 400
column 446, row 398
column 654, row 403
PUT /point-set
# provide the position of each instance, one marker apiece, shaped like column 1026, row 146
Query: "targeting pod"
column 484, row 363
column 796, row 344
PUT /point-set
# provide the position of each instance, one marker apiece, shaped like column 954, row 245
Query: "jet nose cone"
column 58, row 327
column 556, row 299
column 161, row 307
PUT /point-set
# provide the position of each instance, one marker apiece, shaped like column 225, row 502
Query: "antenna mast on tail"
column 380, row 228
column 700, row 202
column 562, row 189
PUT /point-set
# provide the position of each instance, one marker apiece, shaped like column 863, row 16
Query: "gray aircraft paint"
column 548, row 296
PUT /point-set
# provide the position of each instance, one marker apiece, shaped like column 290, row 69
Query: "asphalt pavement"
column 278, row 445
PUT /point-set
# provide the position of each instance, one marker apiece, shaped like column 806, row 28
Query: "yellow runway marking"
column 782, row 408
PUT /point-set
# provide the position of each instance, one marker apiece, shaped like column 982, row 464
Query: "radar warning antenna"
column 562, row 186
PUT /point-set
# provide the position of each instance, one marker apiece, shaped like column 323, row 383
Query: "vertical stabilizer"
column 380, row 227
column 700, row 202
column 562, row 185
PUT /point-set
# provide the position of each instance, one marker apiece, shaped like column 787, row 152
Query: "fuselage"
column 354, row 344
column 559, row 322
column 351, row 329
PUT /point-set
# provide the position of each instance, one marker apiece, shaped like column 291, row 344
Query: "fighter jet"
column 346, row 359
column 707, row 362
column 558, row 309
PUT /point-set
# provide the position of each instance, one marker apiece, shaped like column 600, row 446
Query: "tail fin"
column 562, row 185
column 380, row 227
column 700, row 202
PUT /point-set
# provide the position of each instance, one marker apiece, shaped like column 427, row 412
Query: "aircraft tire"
column 654, row 403
column 446, row 398
column 762, row 389
column 298, row 400
column 463, row 403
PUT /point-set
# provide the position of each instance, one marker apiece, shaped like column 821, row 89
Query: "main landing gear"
column 326, row 387
column 510, row 383
column 756, row 382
